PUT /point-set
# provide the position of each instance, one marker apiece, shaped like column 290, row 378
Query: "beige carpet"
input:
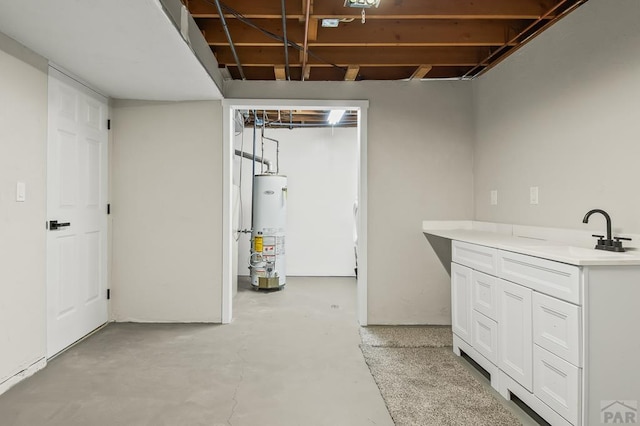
column 423, row 383
column 407, row 336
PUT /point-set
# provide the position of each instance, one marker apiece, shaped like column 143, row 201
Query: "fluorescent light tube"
column 335, row 116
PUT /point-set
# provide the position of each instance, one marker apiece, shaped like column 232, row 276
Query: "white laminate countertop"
column 545, row 249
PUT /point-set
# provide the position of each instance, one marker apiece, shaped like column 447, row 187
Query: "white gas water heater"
column 267, row 261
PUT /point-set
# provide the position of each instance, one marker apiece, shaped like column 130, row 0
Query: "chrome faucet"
column 608, row 243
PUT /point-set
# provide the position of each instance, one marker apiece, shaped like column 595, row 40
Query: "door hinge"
column 108, row 208
column 109, row 124
column 108, row 294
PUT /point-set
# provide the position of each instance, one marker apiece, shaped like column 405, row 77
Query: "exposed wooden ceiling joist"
column 457, row 38
column 305, row 40
column 313, row 29
column 365, row 73
column 345, row 56
column 406, row 9
column 421, row 72
column 352, row 73
column 373, row 34
column 279, row 72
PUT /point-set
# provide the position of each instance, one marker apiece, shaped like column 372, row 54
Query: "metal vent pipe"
column 257, row 158
column 230, row 40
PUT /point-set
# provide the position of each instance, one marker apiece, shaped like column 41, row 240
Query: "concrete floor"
column 288, row 358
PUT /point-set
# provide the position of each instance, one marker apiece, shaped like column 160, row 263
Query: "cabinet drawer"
column 556, row 327
column 485, row 336
column 485, row 294
column 545, row 276
column 557, row 383
column 477, row 257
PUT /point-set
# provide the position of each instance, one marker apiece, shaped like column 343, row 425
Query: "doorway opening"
column 236, row 114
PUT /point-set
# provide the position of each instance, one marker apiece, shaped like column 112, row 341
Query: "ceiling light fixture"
column 362, row 3
column 330, row 23
column 335, row 116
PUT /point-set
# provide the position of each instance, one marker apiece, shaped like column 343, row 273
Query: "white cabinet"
column 560, row 337
column 474, row 305
column 485, row 294
column 512, row 314
column 474, row 310
column 485, row 336
column 556, row 327
column 545, row 276
column 479, row 258
column 557, row 383
column 461, row 301
column 516, row 344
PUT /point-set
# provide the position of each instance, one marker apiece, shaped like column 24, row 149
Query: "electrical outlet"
column 21, row 192
column 533, row 195
column 494, row 197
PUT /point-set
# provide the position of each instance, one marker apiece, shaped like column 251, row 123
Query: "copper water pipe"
column 537, row 21
column 306, row 38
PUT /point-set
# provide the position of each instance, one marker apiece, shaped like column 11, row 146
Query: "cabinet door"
column 515, row 354
column 485, row 336
column 485, row 294
column 461, row 301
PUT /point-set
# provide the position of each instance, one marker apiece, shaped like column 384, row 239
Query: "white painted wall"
column 166, row 211
column 420, row 140
column 562, row 114
column 321, row 167
column 551, row 115
column 23, row 138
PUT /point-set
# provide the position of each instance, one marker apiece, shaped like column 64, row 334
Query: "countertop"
column 545, row 249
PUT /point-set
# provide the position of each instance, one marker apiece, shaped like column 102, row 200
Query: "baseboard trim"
column 27, row 372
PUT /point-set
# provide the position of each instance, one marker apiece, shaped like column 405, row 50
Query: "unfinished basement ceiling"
column 401, row 39
column 291, row 119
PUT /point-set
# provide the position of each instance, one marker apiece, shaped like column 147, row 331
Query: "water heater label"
column 257, row 244
column 269, row 250
column 269, row 241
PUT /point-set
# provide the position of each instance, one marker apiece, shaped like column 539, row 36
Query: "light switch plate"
column 21, row 192
column 533, row 195
column 494, row 197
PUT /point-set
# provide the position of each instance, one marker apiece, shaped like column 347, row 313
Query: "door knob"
column 54, row 224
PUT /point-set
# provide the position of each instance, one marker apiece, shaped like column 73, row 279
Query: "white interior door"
column 77, row 200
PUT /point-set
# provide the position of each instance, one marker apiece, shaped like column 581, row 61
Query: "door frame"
column 228, row 107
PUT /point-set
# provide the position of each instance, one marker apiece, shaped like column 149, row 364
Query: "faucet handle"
column 598, row 236
column 618, row 243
